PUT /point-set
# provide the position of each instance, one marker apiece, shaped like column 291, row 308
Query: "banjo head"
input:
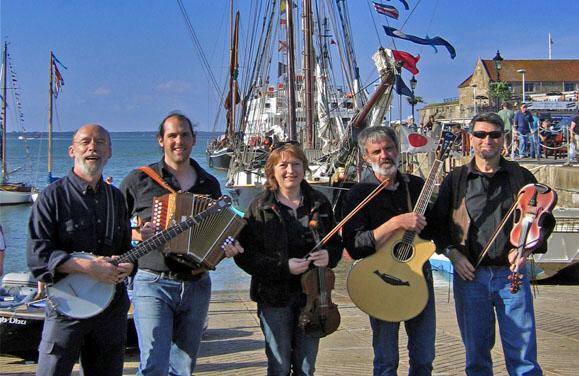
column 78, row 295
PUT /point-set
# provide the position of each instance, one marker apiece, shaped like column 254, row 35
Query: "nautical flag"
column 408, row 61
column 282, row 45
column 433, row 46
column 58, row 81
column 405, row 4
column 386, row 10
column 436, row 41
column 401, row 88
column 551, row 39
column 412, row 142
column 281, row 69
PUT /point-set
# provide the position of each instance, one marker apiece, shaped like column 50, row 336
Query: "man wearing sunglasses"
column 473, row 200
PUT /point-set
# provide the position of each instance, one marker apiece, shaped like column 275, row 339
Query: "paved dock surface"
column 233, row 344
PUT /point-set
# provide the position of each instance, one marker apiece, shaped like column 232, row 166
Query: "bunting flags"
column 281, row 69
column 436, row 41
column 408, row 61
column 386, row 10
column 58, row 80
column 401, row 88
column 405, row 4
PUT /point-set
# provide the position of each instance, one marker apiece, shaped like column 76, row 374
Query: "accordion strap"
column 153, row 175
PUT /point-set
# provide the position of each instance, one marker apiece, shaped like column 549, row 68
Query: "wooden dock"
column 233, row 344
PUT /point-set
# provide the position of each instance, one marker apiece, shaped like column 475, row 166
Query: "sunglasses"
column 491, row 134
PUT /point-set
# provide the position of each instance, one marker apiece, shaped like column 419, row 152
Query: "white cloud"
column 174, row 87
column 102, row 91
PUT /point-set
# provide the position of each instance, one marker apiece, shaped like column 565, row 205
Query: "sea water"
column 130, row 150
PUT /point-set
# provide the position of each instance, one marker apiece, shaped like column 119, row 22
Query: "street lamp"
column 413, row 86
column 522, row 71
column 474, row 98
column 498, row 59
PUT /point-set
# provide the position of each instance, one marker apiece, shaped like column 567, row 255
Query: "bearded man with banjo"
column 80, row 212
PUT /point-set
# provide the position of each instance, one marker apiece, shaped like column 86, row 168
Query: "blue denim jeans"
column 523, row 138
column 169, row 318
column 421, row 332
column 481, row 302
column 287, row 347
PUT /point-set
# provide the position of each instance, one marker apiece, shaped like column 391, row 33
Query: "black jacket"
column 265, row 240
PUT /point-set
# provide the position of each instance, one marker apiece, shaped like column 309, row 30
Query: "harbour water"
column 130, row 150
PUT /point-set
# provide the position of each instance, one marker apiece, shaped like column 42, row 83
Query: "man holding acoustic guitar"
column 81, row 213
column 389, row 213
column 473, row 227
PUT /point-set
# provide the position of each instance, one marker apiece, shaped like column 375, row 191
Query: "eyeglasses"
column 491, row 134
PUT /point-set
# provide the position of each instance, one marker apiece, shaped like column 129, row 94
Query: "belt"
column 175, row 276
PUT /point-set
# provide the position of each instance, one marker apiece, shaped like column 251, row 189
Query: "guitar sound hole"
column 403, row 252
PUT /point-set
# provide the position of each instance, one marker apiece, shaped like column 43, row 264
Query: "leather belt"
column 175, row 276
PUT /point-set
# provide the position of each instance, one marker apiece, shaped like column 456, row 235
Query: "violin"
column 533, row 203
column 320, row 316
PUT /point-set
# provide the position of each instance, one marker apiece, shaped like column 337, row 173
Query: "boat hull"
column 219, row 159
column 15, row 196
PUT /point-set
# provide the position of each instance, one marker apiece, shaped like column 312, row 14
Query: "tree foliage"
column 499, row 92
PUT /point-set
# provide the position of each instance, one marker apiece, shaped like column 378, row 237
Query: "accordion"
column 200, row 246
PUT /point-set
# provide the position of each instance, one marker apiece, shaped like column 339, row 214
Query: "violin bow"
column 354, row 211
column 496, row 233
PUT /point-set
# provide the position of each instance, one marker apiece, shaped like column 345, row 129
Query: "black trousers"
column 99, row 341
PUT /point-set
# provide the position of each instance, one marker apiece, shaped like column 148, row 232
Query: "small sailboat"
column 10, row 192
column 221, row 149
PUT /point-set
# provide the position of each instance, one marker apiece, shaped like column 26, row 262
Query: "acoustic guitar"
column 390, row 285
column 79, row 296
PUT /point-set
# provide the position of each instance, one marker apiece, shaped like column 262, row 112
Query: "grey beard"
column 388, row 171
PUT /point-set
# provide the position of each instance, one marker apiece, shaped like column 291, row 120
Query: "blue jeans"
column 169, row 318
column 421, row 332
column 287, row 347
column 481, row 302
column 523, row 138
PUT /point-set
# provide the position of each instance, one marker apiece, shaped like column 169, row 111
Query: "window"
column 569, row 86
column 529, row 87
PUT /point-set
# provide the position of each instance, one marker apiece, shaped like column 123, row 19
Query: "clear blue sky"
column 131, row 62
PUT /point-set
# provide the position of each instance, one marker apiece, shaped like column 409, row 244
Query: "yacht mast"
column 3, row 135
column 50, row 94
column 308, row 74
column 291, row 86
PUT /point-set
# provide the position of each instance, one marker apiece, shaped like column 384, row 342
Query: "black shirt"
column 358, row 232
column 139, row 190
column 69, row 216
column 488, row 199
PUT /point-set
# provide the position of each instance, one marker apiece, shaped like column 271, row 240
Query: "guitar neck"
column 162, row 237
column 424, row 198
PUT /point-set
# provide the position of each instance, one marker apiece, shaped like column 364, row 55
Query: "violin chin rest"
column 542, row 188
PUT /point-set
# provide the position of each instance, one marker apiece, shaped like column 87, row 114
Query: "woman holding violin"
column 283, row 223
column 473, row 201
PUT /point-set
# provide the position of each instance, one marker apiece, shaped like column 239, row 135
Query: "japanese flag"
column 412, row 142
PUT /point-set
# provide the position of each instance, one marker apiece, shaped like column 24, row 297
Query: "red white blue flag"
column 408, row 61
column 436, row 41
column 386, row 10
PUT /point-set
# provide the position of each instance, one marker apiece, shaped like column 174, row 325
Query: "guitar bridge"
column 391, row 280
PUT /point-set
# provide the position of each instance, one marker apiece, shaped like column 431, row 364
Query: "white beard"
column 386, row 171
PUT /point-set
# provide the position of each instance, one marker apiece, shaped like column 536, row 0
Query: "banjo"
column 79, row 296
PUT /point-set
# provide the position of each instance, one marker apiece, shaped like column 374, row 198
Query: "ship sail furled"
column 384, row 61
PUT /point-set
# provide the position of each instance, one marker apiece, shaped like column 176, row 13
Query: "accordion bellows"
column 201, row 245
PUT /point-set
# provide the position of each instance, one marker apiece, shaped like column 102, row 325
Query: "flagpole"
column 549, row 43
